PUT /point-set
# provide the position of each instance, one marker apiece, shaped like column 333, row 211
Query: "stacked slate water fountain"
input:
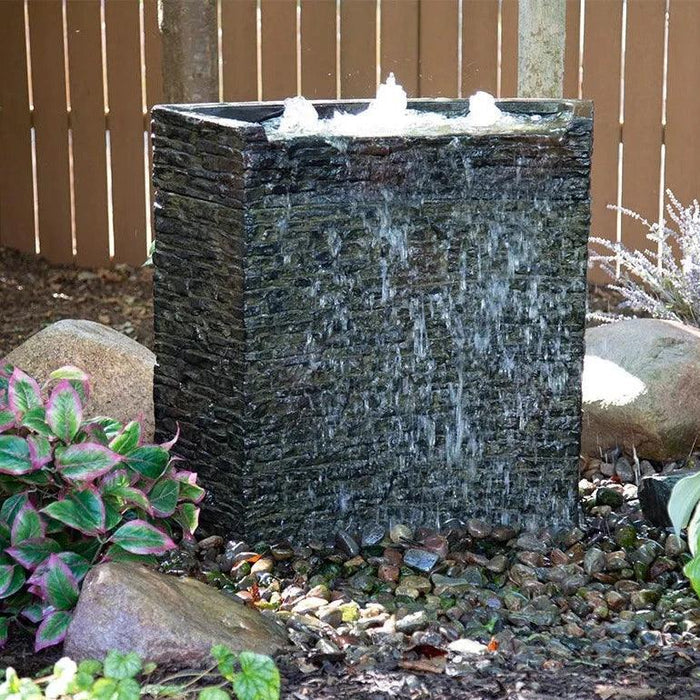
column 360, row 329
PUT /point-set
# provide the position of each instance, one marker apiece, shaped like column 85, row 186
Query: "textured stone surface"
column 120, row 369
column 375, row 329
column 170, row 621
column 641, row 389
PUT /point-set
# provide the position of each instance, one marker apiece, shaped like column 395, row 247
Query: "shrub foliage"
column 75, row 492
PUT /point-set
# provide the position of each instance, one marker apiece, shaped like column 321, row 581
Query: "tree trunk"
column 541, row 39
column 190, row 56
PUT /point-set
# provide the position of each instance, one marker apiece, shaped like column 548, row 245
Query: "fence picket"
column 16, row 188
column 399, row 43
column 683, row 104
column 358, row 26
column 239, row 50
column 51, row 128
column 318, row 49
column 126, row 135
column 279, row 49
column 479, row 46
column 642, row 129
column 439, row 50
column 601, row 83
column 88, row 127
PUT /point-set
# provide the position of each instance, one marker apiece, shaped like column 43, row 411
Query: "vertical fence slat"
column 571, row 48
column 358, row 26
column 125, row 127
column 601, row 83
column 439, row 26
column 153, row 53
column 16, row 189
column 399, row 43
column 88, row 125
column 279, row 49
column 683, row 101
column 509, row 48
column 239, row 50
column 318, row 44
column 51, row 129
column 479, row 46
column 642, row 129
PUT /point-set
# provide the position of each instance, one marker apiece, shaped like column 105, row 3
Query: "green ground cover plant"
column 123, row 676
column 75, row 492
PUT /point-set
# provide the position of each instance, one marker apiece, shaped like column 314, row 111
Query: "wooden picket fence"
column 77, row 79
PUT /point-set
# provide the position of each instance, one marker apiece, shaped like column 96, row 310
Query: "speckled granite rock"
column 120, row 369
column 361, row 330
column 170, row 621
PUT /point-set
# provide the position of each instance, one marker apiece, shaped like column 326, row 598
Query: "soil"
column 34, row 294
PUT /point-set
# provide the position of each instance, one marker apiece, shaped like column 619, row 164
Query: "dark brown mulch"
column 661, row 677
column 34, row 294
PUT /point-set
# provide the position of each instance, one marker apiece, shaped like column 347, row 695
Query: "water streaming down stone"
column 361, row 329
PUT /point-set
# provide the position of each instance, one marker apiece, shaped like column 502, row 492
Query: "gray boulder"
column 641, row 389
column 171, row 621
column 120, row 369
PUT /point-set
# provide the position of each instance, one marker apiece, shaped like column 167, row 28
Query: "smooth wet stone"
column 363, row 581
column 420, row 583
column 503, row 533
column 479, row 529
column 621, row 627
column 211, row 542
column 372, row 535
column 624, row 470
column 594, row 561
column 262, row 566
column 467, row 647
column 400, row 532
column 446, row 585
column 420, row 559
column 413, row 621
column 347, row 544
column 498, row 564
column 531, row 542
column 309, row 604
column 281, row 552
column 437, row 544
column 388, row 573
column 675, row 545
column 644, row 599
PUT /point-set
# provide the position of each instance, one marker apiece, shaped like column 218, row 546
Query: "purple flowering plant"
column 75, row 492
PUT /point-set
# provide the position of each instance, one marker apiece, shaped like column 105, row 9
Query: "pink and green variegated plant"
column 75, row 492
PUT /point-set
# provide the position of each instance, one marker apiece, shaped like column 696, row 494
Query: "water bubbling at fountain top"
column 388, row 115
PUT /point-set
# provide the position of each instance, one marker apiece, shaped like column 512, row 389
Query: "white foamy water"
column 388, row 115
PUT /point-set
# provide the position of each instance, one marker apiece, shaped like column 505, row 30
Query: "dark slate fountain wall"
column 377, row 329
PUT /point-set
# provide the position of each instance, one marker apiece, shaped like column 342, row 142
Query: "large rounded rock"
column 641, row 389
column 171, row 621
column 120, row 369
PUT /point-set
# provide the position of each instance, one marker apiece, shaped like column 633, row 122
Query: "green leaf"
column 4, row 628
column 127, row 440
column 684, row 498
column 86, row 461
column 7, row 572
column 81, row 510
column 128, row 494
column 692, row 571
column 92, row 667
column 7, row 419
column 110, row 426
column 259, row 678
column 23, row 393
column 64, row 412
column 14, row 455
column 213, row 693
column 69, row 372
column 187, row 516
column 139, row 537
column 27, row 524
column 117, row 553
column 52, row 630
column 163, row 497
column 113, row 515
column 11, row 506
column 104, row 689
column 60, row 585
column 150, row 461
column 35, row 420
column 225, row 661
column 128, row 689
column 30, row 553
column 118, row 665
